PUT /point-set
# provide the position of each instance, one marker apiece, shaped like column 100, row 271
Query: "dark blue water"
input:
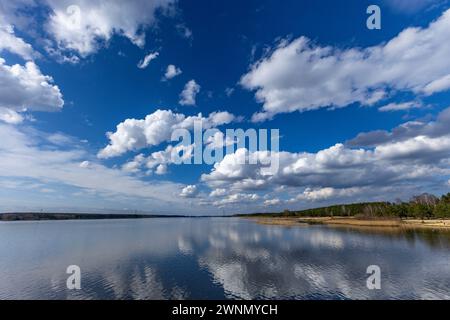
column 218, row 258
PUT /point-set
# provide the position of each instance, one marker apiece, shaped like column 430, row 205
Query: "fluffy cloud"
column 216, row 119
column 403, row 160
column 135, row 165
column 327, row 193
column 25, row 88
column 218, row 193
column 11, row 43
column 421, row 148
column 10, row 116
column 237, row 199
column 82, row 25
column 161, row 169
column 241, row 167
column 189, row 93
column 156, row 128
column 272, row 202
column 147, row 59
column 301, row 76
column 171, row 72
column 337, row 166
column 189, row 192
column 159, row 161
column 162, row 159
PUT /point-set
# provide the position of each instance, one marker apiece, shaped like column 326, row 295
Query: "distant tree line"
column 424, row 206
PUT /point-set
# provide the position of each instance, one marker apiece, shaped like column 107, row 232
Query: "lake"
column 218, row 258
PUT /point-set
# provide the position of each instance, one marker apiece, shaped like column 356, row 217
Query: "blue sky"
column 362, row 113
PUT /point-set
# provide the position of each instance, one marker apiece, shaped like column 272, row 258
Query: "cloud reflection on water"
column 218, row 258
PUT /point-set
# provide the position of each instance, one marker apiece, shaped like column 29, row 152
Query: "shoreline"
column 33, row 216
column 354, row 222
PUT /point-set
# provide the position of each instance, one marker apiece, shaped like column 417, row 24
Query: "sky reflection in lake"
column 218, row 258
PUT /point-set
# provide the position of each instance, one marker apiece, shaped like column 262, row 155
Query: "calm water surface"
column 218, row 258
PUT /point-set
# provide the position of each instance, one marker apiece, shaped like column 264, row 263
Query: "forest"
column 424, row 206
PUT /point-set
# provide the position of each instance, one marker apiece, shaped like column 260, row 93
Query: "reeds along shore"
column 357, row 222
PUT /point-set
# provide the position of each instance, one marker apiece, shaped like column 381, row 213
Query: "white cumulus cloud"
column 25, row 88
column 189, row 191
column 13, row 44
column 237, row 199
column 10, row 116
column 159, row 161
column 301, row 75
column 172, row 71
column 147, row 59
column 327, row 193
column 189, row 93
column 410, row 158
column 218, row 193
column 272, row 202
column 84, row 25
column 156, row 128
